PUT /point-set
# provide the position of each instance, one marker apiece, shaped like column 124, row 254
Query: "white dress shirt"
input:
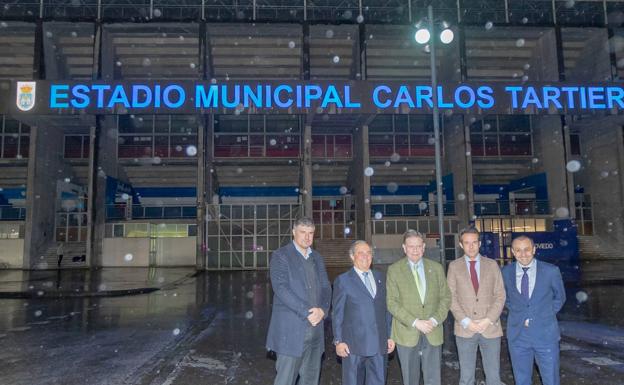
column 466, row 321
column 532, row 273
column 477, row 266
column 304, row 253
column 369, row 277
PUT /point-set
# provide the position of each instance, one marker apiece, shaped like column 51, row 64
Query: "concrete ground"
column 176, row 327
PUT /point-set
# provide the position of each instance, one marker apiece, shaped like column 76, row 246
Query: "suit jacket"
column 487, row 303
column 358, row 319
column 289, row 316
column 541, row 309
column 405, row 305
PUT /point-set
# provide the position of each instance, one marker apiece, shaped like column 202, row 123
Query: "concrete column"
column 306, row 171
column 91, row 180
column 211, row 187
column 45, row 167
column 602, row 176
column 105, row 164
column 360, row 183
column 458, row 161
column 200, row 249
column 93, row 143
column 103, row 154
column 206, row 185
column 549, row 148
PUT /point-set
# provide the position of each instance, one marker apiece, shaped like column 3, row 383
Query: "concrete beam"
column 360, row 184
column 105, row 164
column 458, row 161
column 549, row 147
column 45, row 167
column 306, row 171
column 602, row 175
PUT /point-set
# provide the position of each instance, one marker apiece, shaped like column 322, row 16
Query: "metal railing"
column 241, row 236
column 12, row 213
column 12, row 230
column 410, row 209
column 428, row 225
column 121, row 211
column 398, row 12
column 512, row 207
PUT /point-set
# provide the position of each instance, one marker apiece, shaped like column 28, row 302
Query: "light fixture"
column 446, row 36
column 422, row 36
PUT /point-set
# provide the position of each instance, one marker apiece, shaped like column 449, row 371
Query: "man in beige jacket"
column 478, row 297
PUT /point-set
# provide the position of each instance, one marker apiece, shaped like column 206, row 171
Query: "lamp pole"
column 436, row 133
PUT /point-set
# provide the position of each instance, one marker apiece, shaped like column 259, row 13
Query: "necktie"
column 368, row 285
column 473, row 276
column 524, row 284
column 418, row 283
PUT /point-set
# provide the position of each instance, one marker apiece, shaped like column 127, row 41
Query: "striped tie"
column 368, row 284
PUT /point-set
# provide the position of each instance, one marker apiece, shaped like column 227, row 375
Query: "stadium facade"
column 115, row 165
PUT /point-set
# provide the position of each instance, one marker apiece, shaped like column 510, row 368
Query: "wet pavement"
column 209, row 328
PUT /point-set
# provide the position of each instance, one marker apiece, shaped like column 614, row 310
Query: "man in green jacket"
column 419, row 299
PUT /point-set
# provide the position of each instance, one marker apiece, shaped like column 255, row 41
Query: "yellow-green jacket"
column 405, row 305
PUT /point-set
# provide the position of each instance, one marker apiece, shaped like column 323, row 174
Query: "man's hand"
column 425, row 326
column 315, row 315
column 474, row 327
column 342, row 350
column 483, row 324
column 391, row 345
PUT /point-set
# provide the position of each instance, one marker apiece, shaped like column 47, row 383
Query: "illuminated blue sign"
column 314, row 97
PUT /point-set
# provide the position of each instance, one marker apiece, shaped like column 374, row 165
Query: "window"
column 135, row 146
column 11, row 231
column 405, row 135
column 501, row 135
column 14, row 138
column 76, row 146
column 157, row 136
column 331, row 146
column 257, row 136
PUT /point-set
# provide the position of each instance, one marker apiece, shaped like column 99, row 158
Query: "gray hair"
column 354, row 245
column 303, row 221
column 413, row 234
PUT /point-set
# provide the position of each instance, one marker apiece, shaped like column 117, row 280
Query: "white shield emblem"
column 26, row 95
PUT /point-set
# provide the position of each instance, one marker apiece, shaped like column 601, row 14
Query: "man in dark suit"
column 535, row 294
column 301, row 300
column 361, row 321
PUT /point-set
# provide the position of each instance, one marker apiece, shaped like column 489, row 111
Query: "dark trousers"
column 308, row 366
column 361, row 370
column 423, row 355
column 490, row 356
column 524, row 352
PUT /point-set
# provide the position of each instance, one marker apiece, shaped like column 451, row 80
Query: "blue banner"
column 304, row 97
column 490, row 245
column 559, row 248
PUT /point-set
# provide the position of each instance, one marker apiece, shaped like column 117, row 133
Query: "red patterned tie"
column 473, row 276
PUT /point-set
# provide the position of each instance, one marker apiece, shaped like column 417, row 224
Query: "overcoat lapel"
column 357, row 282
